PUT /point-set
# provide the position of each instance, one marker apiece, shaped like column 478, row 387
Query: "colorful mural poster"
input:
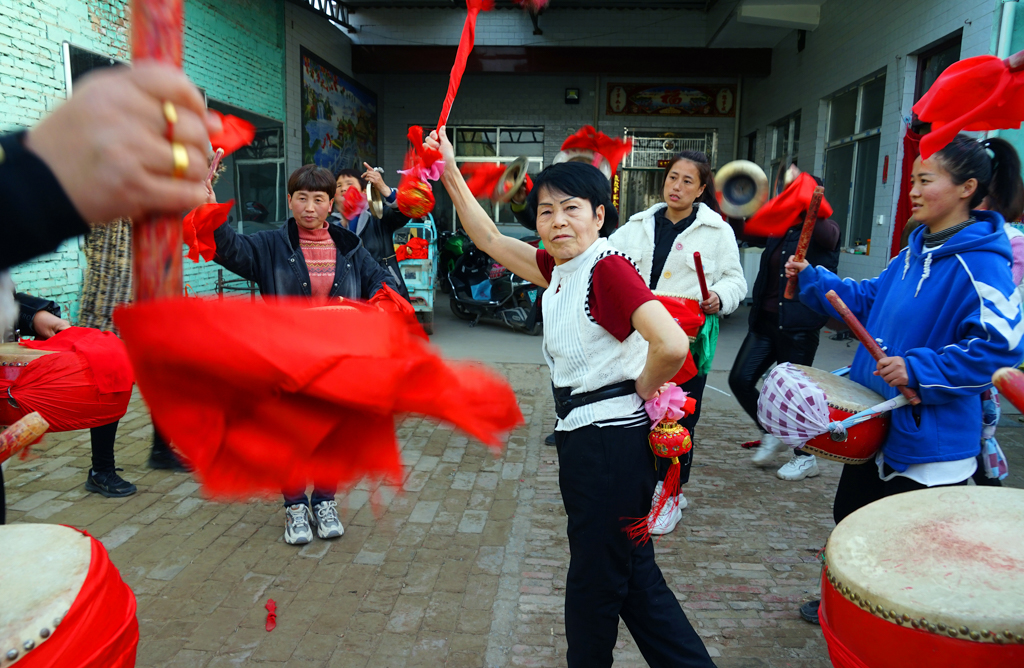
column 339, row 117
column 704, row 100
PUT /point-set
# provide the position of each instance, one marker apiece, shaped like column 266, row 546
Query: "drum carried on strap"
column 64, row 601
column 928, row 578
column 824, row 414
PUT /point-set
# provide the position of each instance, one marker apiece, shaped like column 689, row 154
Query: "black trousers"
column 607, row 475
column 765, row 345
column 860, row 485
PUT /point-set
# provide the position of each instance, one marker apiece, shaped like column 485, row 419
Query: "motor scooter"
column 482, row 289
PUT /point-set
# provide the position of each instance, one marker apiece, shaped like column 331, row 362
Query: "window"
column 260, row 182
column 491, row 144
column 784, row 136
column 930, row 64
column 79, row 61
column 752, row 147
column 851, row 158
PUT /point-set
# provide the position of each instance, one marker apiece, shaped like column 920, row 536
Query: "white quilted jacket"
column 709, row 235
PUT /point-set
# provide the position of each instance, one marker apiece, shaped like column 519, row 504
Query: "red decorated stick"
column 805, row 237
column 21, row 434
column 865, row 339
column 157, row 27
column 213, row 165
column 699, row 266
column 1010, row 383
column 462, row 55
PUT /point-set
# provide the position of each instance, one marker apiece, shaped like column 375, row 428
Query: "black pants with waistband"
column 606, row 476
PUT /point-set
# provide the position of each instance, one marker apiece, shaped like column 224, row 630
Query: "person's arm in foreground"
column 517, row 256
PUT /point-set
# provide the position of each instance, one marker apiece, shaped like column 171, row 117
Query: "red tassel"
column 640, row 530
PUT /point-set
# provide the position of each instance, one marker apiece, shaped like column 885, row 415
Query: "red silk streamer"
column 975, row 94
column 235, row 134
column 390, row 301
column 859, row 639
column 157, row 27
column 271, row 607
column 588, row 139
column 284, row 409
column 198, row 228
column 462, row 55
column 100, row 629
column 786, row 209
column 701, row 278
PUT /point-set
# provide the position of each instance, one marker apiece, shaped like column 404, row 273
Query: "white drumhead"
column 949, row 555
column 842, row 392
column 13, row 353
column 44, row 567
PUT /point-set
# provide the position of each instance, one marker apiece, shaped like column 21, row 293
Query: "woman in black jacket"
column 782, row 330
column 377, row 234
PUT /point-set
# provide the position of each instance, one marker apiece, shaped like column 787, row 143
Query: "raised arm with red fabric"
column 975, row 94
column 462, row 55
column 199, row 225
column 786, row 209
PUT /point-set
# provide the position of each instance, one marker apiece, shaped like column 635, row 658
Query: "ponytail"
column 707, row 178
column 994, row 164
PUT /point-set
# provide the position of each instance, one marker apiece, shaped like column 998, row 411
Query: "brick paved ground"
column 466, row 567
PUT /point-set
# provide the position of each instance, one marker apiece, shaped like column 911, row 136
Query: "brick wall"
column 853, row 41
column 233, row 49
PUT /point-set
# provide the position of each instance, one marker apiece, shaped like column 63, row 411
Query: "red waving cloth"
column 462, row 55
column 235, row 134
column 687, row 314
column 262, row 397
column 86, row 384
column 911, row 149
column 975, row 94
column 588, row 139
column 100, row 629
column 199, row 225
column 786, row 209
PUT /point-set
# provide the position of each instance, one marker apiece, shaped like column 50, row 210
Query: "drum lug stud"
column 892, row 614
column 985, row 633
column 952, row 632
column 1008, row 634
column 964, row 631
column 905, row 617
column 12, row 654
column 915, row 623
column 28, row 645
column 57, row 621
column 44, row 633
column 942, row 627
column 1020, row 640
column 975, row 635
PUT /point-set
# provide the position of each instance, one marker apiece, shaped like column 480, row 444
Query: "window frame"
column 789, row 124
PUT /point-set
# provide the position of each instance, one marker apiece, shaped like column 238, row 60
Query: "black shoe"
column 166, row 460
column 550, row 440
column 109, row 484
column 809, row 611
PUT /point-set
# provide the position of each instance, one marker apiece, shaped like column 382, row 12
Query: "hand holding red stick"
column 805, row 237
column 865, row 339
column 21, row 434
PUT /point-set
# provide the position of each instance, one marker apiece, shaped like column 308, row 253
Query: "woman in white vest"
column 662, row 241
column 610, row 345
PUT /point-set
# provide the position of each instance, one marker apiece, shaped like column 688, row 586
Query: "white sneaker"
column 682, row 502
column 296, row 524
column 770, row 447
column 798, row 468
column 669, row 516
column 325, row 517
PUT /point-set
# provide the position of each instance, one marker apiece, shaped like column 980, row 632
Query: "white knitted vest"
column 580, row 353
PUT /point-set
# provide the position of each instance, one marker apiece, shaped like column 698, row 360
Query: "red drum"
column 797, row 404
column 64, row 601
column 688, row 314
column 83, row 380
column 929, row 578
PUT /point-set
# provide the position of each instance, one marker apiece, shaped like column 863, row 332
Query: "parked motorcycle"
column 482, row 289
column 451, row 246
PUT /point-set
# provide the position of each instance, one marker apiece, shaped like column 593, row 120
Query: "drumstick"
column 865, row 340
column 21, row 434
column 1010, row 383
column 700, row 276
column 805, row 237
column 213, row 165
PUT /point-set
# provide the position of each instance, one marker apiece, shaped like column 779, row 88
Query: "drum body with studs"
column 64, row 602
column 928, row 578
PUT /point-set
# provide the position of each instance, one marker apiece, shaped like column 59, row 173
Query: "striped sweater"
column 320, row 254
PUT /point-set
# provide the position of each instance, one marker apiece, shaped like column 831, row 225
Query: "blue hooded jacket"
column 953, row 315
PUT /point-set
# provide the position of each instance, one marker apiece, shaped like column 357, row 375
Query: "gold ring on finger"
column 171, row 116
column 180, row 155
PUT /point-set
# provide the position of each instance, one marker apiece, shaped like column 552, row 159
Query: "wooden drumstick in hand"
column 699, row 266
column 1010, row 383
column 21, row 434
column 865, row 340
column 805, row 238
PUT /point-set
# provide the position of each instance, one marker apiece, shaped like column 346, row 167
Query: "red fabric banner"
column 911, row 149
column 688, row 314
column 262, row 397
column 235, row 134
column 462, row 55
column 198, row 228
column 974, row 94
column 786, row 209
column 100, row 630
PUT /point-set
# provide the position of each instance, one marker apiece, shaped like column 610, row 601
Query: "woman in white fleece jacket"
column 662, row 241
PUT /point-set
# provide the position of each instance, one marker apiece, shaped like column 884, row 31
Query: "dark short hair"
column 707, row 178
column 354, row 173
column 578, row 179
column 312, row 179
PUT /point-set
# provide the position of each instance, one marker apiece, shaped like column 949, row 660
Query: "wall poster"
column 679, row 100
column 339, row 117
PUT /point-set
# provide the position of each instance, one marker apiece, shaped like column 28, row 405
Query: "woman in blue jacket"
column 947, row 315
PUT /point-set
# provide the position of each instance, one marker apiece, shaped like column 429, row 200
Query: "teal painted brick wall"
column 234, row 49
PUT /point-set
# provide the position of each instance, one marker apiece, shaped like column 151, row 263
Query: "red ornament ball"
column 415, row 199
column 670, row 439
